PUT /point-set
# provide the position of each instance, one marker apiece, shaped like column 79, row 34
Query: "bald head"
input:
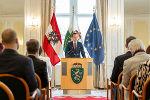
column 9, row 36
column 9, row 39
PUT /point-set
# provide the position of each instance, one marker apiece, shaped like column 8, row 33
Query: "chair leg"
column 50, row 89
column 40, row 97
column 48, row 92
column 107, row 88
column 118, row 92
column 36, row 97
column 111, row 89
column 122, row 93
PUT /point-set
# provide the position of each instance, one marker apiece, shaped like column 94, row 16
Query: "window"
column 83, row 10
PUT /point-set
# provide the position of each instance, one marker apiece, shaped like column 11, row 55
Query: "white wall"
column 16, row 23
column 131, row 28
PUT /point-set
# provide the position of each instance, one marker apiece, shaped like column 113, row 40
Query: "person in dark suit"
column 118, row 64
column 74, row 48
column 11, row 62
column 40, row 66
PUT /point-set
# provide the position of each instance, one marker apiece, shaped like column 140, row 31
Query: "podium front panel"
column 68, row 64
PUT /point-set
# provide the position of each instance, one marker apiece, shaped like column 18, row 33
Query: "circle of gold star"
column 99, row 46
column 95, row 49
column 86, row 40
column 87, row 35
column 94, row 28
column 91, row 48
column 90, row 30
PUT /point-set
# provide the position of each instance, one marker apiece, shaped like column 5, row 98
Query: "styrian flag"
column 52, row 43
column 72, row 28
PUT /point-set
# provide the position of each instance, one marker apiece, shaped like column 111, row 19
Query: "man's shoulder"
column 130, row 60
column 124, row 56
column 22, row 57
column 79, row 43
column 46, row 59
column 40, row 62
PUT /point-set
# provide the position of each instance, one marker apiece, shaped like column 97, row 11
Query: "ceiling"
column 16, row 7
column 11, row 7
column 137, row 6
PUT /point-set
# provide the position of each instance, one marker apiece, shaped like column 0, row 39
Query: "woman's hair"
column 136, row 45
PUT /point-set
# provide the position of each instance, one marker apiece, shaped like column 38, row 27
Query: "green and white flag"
column 67, row 38
column 72, row 28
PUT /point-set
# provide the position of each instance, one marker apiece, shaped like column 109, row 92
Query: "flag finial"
column 94, row 9
column 73, row 10
column 54, row 7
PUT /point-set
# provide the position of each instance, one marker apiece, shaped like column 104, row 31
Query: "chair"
column 131, row 87
column 5, row 92
column 18, row 86
column 44, row 91
column 146, row 90
column 114, row 84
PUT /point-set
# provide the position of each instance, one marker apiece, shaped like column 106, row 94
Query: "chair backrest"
column 39, row 81
column 146, row 90
column 120, row 77
column 5, row 92
column 17, row 85
column 132, row 84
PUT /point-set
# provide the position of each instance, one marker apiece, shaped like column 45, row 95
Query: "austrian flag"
column 52, row 43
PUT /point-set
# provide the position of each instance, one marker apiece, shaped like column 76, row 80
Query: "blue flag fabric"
column 93, row 42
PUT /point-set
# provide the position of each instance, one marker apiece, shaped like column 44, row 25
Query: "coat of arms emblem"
column 53, row 37
column 77, row 73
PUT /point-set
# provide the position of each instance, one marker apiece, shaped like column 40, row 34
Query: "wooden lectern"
column 77, row 73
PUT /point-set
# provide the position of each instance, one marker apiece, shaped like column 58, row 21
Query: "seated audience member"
column 119, row 61
column 143, row 74
column 131, row 65
column 39, row 65
column 11, row 62
column 1, row 47
column 47, row 60
column 148, row 50
column 118, row 64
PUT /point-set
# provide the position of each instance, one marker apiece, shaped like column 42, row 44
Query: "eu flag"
column 93, row 42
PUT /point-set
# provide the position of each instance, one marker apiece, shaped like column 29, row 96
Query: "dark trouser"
column 38, row 93
column 115, row 92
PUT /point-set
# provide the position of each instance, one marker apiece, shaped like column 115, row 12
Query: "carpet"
column 79, row 98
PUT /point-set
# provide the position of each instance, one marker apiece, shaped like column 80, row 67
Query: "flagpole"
column 54, row 66
column 72, row 18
